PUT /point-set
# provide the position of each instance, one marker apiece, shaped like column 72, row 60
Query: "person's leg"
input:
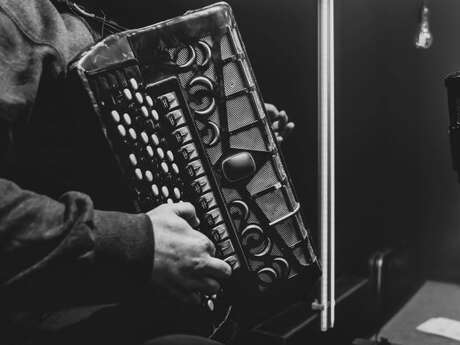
column 182, row 340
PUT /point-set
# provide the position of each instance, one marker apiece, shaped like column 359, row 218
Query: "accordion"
column 176, row 114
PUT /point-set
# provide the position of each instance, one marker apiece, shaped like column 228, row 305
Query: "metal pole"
column 326, row 132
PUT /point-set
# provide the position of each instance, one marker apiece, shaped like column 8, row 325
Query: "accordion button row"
column 200, row 185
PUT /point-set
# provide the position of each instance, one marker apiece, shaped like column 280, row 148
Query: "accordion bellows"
column 183, row 118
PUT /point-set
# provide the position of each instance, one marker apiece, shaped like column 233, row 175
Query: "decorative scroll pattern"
column 223, row 100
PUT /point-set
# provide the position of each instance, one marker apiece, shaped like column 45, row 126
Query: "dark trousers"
column 182, row 340
column 110, row 324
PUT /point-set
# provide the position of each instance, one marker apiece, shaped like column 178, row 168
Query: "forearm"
column 66, row 252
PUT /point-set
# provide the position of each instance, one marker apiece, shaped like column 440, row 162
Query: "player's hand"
column 184, row 262
column 281, row 125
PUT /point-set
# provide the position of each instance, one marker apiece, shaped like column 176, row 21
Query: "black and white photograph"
column 239, row 172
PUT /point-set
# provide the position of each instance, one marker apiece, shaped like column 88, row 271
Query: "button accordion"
column 177, row 109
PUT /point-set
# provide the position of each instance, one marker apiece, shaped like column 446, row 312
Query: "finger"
column 283, row 119
column 209, row 246
column 216, row 268
column 275, row 126
column 206, row 285
column 288, row 129
column 272, row 111
column 186, row 211
column 279, row 138
column 182, row 293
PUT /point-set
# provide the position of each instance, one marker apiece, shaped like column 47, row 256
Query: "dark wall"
column 394, row 179
column 394, row 163
column 439, row 191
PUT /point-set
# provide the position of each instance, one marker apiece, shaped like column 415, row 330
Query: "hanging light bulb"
column 423, row 36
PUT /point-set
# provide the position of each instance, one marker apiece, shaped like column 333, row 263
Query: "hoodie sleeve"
column 57, row 251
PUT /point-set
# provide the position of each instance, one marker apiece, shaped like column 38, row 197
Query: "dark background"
column 395, row 184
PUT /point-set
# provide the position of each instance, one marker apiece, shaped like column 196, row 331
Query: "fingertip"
column 228, row 270
column 270, row 108
column 283, row 114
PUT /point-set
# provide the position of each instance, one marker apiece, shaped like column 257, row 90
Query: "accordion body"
column 177, row 109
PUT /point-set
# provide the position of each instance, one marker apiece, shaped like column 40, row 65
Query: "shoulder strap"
column 105, row 26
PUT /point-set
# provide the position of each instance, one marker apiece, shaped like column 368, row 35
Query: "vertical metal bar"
column 323, row 123
column 326, row 132
column 332, row 162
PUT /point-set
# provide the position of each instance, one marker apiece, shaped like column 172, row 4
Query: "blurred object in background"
column 423, row 36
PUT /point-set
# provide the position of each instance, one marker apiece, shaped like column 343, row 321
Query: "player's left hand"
column 281, row 125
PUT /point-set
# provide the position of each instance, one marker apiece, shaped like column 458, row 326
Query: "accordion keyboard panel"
column 180, row 108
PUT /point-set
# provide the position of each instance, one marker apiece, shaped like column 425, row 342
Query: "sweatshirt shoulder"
column 41, row 23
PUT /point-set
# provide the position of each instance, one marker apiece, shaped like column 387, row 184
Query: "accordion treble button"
column 219, row 233
column 121, row 130
column 226, row 248
column 210, row 220
column 164, row 167
column 133, row 159
column 145, row 137
column 138, row 174
column 132, row 134
column 155, row 139
column 134, row 84
column 175, row 168
column 191, row 171
column 165, row 191
column 170, row 155
column 177, row 193
column 160, row 153
column 115, row 115
column 204, row 204
column 149, row 101
column 155, row 190
column 172, row 120
column 149, row 176
column 155, row 115
column 144, row 111
column 149, row 150
column 181, row 136
column 197, row 188
column 233, row 261
column 127, row 119
column 128, row 94
column 213, row 218
column 139, row 98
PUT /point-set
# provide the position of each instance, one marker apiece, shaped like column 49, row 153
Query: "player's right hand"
column 184, row 262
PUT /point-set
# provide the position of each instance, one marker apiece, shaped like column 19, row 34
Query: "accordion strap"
column 105, row 24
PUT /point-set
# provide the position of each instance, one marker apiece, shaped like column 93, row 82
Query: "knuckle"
column 198, row 264
column 209, row 246
column 188, row 206
column 227, row 270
